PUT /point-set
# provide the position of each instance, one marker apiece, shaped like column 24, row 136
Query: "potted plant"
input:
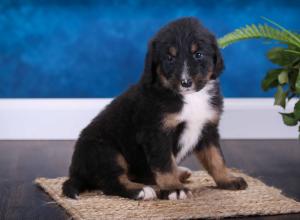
column 286, row 76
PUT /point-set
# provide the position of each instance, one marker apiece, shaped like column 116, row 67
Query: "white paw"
column 179, row 194
column 147, row 193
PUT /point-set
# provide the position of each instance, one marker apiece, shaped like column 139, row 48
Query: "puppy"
column 174, row 110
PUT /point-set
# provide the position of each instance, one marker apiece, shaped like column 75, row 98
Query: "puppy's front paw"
column 184, row 174
column 147, row 193
column 233, row 183
column 175, row 194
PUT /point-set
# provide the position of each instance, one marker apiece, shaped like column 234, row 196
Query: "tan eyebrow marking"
column 194, row 47
column 173, row 51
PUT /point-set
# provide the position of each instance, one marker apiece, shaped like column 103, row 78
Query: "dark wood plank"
column 276, row 162
column 20, row 163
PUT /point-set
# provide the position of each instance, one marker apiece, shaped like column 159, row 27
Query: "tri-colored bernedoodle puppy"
column 142, row 135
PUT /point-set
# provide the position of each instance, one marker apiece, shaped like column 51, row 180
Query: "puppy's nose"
column 186, row 83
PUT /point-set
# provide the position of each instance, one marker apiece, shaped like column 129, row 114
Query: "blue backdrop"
column 88, row 48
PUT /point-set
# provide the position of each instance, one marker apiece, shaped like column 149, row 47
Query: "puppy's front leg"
column 209, row 154
column 163, row 165
column 169, row 182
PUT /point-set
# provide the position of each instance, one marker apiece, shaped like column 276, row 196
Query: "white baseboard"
column 63, row 119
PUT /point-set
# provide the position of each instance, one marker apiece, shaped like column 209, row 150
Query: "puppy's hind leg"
column 72, row 187
column 121, row 185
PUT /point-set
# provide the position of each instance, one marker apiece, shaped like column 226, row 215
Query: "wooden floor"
column 276, row 162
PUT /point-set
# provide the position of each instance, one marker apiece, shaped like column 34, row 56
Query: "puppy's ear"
column 218, row 60
column 149, row 74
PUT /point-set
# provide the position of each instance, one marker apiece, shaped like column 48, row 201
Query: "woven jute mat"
column 207, row 202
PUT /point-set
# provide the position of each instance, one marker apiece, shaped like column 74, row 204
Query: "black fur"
column 131, row 124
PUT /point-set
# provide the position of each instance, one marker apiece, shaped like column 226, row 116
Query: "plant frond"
column 259, row 31
column 292, row 51
column 296, row 38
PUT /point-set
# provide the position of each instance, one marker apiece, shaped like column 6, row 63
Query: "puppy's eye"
column 198, row 56
column 171, row 59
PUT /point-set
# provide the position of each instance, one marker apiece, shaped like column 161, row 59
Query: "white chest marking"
column 196, row 112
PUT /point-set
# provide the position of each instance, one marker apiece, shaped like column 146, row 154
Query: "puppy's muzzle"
column 186, row 83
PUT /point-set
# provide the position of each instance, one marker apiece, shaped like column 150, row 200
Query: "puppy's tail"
column 71, row 188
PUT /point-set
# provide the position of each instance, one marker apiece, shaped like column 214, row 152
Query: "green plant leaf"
column 293, row 75
column 283, row 77
column 289, row 119
column 280, row 97
column 297, row 110
column 271, row 79
column 278, row 55
column 297, row 84
column 293, row 51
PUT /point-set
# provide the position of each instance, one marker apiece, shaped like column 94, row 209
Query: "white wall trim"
column 62, row 119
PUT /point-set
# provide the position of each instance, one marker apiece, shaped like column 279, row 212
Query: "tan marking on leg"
column 168, row 180
column 194, row 47
column 170, row 121
column 122, row 162
column 213, row 162
column 123, row 178
column 128, row 184
column 184, row 173
column 173, row 51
